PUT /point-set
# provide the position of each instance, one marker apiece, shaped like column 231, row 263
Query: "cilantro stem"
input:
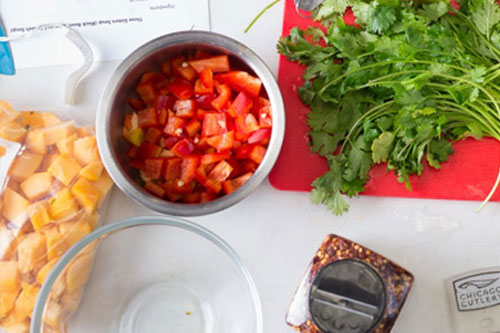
column 260, row 14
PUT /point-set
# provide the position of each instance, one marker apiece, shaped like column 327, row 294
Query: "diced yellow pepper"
column 24, row 165
column 53, row 315
column 26, row 301
column 74, row 231
column 14, row 207
column 87, row 194
column 55, row 244
column 65, row 146
column 37, row 185
column 32, row 252
column 35, row 142
column 78, row 272
column 85, row 150
column 32, row 119
column 64, row 168
column 45, row 270
column 104, row 183
column 39, row 214
column 7, row 301
column 92, row 171
column 12, row 131
column 63, row 205
column 58, row 133
column 10, row 279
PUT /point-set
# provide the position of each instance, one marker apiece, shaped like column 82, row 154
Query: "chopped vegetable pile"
column 199, row 129
column 398, row 82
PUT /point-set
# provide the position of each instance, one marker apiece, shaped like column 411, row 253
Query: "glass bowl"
column 149, row 274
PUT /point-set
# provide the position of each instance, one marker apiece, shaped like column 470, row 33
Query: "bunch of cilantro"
column 400, row 87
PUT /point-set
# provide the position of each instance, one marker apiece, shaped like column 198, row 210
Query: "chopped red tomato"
column 185, row 108
column 155, row 189
column 147, row 118
column 222, row 142
column 181, row 89
column 153, row 168
column 241, row 105
column 223, row 97
column 216, row 64
column 183, row 148
column 195, row 135
column 214, row 124
column 232, row 185
column 241, row 81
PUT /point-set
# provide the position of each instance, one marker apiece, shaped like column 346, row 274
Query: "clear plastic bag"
column 53, row 188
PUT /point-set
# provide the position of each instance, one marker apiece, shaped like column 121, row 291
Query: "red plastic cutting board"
column 469, row 174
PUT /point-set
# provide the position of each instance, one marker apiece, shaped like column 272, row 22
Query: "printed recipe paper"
column 113, row 28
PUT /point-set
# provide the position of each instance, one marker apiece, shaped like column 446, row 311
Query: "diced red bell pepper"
column 183, row 148
column 202, row 54
column 148, row 150
column 177, row 186
column 192, row 198
column 214, row 157
column 127, row 122
column 155, row 189
column 214, row 124
column 207, row 78
column 200, row 114
column 224, row 96
column 265, row 117
column 153, row 168
column 169, row 142
column 170, row 187
column 241, row 81
column 232, row 185
column 201, row 174
column 136, row 104
column 207, row 197
column 174, row 126
column 147, row 118
column 147, row 92
column 216, row 64
column 162, row 117
column 259, row 103
column 185, row 108
column 182, row 68
column 173, row 167
column 218, row 174
column 150, row 76
column 165, row 102
column 137, row 164
column 181, row 89
column 133, row 152
column 153, row 135
column 205, row 101
column 222, row 142
column 249, row 166
column 166, row 68
column 189, row 166
column 259, row 135
column 165, row 153
column 244, row 126
column 258, row 153
column 201, row 89
column 193, row 127
column 241, row 105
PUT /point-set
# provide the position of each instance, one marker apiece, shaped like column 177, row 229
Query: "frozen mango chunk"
column 16, row 327
column 32, row 252
column 104, row 183
column 70, row 301
column 63, row 205
column 39, row 214
column 24, row 165
column 35, row 142
column 49, row 159
column 74, row 231
column 14, row 207
column 7, row 301
column 50, row 119
column 53, row 315
column 32, row 120
column 92, row 220
column 92, row 171
column 85, row 131
column 86, row 194
column 59, row 132
column 7, row 243
column 85, row 150
column 65, row 146
column 64, row 168
column 12, row 131
column 45, row 270
column 26, row 301
column 37, row 185
column 7, row 113
column 55, row 244
column 78, row 272
column 10, row 279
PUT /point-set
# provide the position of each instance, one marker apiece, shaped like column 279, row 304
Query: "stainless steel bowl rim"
column 37, row 317
column 191, row 37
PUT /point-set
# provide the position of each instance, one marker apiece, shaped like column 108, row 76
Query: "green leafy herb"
column 398, row 90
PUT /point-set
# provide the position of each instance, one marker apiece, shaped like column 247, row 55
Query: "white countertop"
column 277, row 233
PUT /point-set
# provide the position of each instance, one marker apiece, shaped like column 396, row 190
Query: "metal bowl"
column 113, row 106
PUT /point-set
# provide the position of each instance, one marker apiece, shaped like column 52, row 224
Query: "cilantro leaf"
column 434, row 10
column 380, row 18
column 382, row 146
column 485, row 16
